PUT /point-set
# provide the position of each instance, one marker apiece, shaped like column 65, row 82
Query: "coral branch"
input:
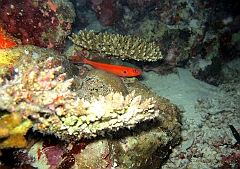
column 125, row 47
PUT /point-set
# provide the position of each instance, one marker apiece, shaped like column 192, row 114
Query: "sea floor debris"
column 207, row 140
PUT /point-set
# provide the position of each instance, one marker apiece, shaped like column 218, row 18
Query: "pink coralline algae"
column 53, row 155
column 107, row 11
column 36, row 22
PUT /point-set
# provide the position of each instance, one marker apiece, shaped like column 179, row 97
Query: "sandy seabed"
column 208, row 112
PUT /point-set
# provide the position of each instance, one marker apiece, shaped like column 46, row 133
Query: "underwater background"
column 119, row 84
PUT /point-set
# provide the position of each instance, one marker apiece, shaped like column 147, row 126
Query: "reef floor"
column 207, row 140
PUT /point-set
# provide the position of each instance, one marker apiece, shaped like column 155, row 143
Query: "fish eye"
column 124, row 71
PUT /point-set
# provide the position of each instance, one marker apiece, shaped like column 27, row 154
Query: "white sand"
column 208, row 112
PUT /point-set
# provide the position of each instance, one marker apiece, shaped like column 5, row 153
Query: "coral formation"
column 145, row 146
column 152, row 30
column 99, row 82
column 37, row 89
column 40, row 91
column 125, row 47
column 107, row 11
column 6, row 41
column 7, row 60
column 41, row 23
column 110, row 80
column 12, row 130
column 48, row 152
column 11, row 58
column 146, row 149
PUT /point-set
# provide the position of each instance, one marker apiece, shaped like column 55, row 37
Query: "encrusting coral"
column 99, row 82
column 6, row 41
column 41, row 23
column 11, row 58
column 37, row 91
column 12, row 130
column 125, row 47
column 6, row 60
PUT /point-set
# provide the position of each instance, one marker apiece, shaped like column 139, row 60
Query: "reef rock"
column 145, row 146
column 44, row 23
column 105, row 131
column 99, row 82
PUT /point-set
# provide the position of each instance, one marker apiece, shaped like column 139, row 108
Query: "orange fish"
column 114, row 69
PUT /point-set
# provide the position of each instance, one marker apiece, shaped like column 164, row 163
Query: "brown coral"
column 99, row 82
column 125, row 47
column 13, row 128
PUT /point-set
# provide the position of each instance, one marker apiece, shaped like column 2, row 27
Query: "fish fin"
column 77, row 59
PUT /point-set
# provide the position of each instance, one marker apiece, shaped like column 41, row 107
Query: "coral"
column 33, row 87
column 170, row 116
column 11, row 58
column 53, row 6
column 37, row 90
column 93, row 86
column 99, row 82
column 101, row 114
column 51, row 153
column 6, row 41
column 110, row 80
column 12, row 130
column 145, row 146
column 107, row 11
column 141, row 150
column 125, row 47
column 39, row 22
column 152, row 29
column 7, row 59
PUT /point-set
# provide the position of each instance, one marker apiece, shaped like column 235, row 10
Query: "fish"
column 235, row 134
column 119, row 70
